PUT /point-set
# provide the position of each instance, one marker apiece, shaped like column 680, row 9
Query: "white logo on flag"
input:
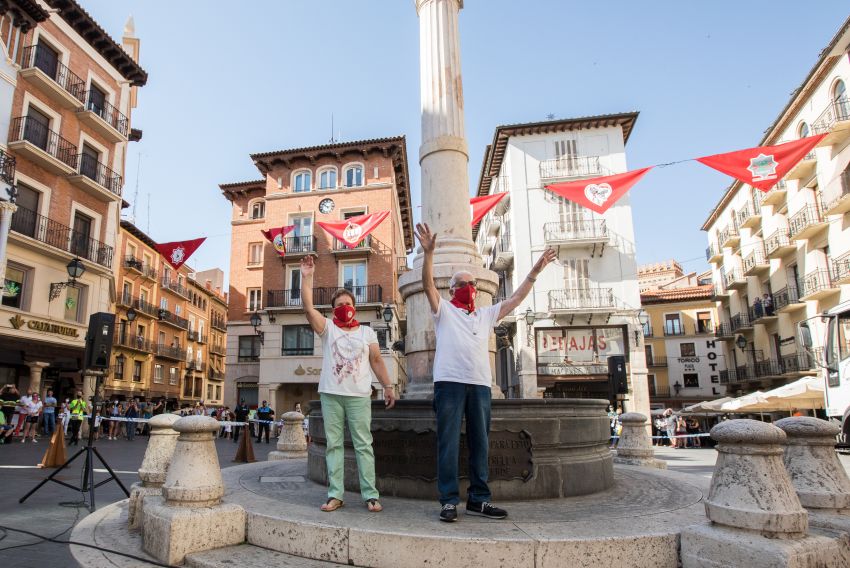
column 278, row 244
column 598, row 193
column 763, row 167
column 351, row 233
column 177, row 255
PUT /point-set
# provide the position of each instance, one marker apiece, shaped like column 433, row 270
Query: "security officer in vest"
column 78, row 408
column 265, row 415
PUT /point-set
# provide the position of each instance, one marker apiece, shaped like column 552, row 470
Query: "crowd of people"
column 676, row 431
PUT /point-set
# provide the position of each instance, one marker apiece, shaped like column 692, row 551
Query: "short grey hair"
column 456, row 275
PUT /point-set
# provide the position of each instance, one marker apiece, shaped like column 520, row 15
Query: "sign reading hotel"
column 577, row 351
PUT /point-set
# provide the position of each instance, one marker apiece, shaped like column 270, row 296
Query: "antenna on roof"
column 550, row 116
column 148, row 230
column 332, row 140
column 136, row 191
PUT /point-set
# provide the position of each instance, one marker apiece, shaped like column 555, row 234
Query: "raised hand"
column 308, row 266
column 547, row 257
column 427, row 239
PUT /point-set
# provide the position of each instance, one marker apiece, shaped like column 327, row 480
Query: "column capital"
column 8, row 206
column 420, row 3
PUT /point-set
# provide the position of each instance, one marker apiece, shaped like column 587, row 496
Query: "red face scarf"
column 344, row 317
column 464, row 298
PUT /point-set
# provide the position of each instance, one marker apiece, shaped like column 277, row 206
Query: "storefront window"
column 13, row 289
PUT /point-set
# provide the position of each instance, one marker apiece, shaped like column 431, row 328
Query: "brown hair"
column 343, row 292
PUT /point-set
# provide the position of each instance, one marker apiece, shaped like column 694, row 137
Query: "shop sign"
column 44, row 326
column 310, row 371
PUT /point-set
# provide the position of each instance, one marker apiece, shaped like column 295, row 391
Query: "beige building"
column 656, row 275
column 783, row 256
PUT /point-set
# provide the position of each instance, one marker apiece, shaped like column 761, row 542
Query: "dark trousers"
column 263, row 427
column 453, row 401
column 75, row 430
column 49, row 423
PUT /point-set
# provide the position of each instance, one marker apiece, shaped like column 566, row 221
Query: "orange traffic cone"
column 245, row 451
column 55, row 454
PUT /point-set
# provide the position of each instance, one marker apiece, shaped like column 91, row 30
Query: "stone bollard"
column 757, row 519
column 291, row 443
column 821, row 482
column 154, row 466
column 635, row 445
column 189, row 516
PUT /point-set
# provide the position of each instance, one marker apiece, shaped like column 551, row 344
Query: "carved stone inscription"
column 405, row 453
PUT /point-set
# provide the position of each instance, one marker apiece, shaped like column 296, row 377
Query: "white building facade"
column 583, row 309
column 791, row 245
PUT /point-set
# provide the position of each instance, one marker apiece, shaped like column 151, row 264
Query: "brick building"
column 68, row 130
column 162, row 346
column 301, row 187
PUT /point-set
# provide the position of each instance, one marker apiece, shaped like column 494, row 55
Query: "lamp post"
column 643, row 319
column 75, row 269
column 530, row 317
column 256, row 321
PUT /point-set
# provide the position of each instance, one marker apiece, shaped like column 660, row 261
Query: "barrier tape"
column 676, row 436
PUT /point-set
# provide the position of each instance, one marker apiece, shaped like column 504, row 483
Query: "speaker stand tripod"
column 88, row 484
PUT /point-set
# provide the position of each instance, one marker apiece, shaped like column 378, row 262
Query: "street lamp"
column 256, row 321
column 530, row 317
column 741, row 342
column 131, row 315
column 643, row 319
column 75, row 269
column 388, row 314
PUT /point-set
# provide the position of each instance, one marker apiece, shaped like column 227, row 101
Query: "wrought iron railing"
column 726, row 234
column 567, row 167
column 107, row 112
column 711, row 251
column 37, row 133
column 132, row 341
column 43, row 58
column 836, row 111
column 146, row 307
column 7, row 168
column 841, row 267
column 733, row 277
column 656, row 361
column 291, row 298
column 777, row 240
column 62, row 237
column 723, row 330
column 140, row 266
column 365, row 244
column 98, row 172
column 816, row 281
column 173, row 319
column 749, row 210
column 170, row 352
column 785, row 297
column 739, row 321
column 579, row 229
column 755, row 259
column 174, row 286
column 217, row 348
column 218, row 322
column 843, row 185
column 300, row 244
column 575, row 299
column 805, row 217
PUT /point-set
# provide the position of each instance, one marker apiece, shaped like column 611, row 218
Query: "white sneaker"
column 24, row 440
column 34, row 441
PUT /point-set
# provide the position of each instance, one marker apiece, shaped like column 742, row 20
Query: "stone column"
column 819, row 478
column 443, row 160
column 757, row 519
column 189, row 516
column 291, row 443
column 160, row 449
column 6, row 211
column 36, row 369
column 635, row 444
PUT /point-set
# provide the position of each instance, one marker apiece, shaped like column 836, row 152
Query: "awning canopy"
column 806, row 393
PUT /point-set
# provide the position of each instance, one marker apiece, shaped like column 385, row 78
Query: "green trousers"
column 356, row 411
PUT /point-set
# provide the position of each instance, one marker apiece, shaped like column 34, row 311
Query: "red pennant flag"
column 762, row 166
column 351, row 231
column 277, row 238
column 598, row 194
column 482, row 205
column 178, row 252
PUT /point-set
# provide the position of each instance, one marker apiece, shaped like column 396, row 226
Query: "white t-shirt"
column 463, row 344
column 24, row 406
column 34, row 407
column 345, row 360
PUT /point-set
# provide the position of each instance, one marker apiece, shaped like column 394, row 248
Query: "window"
column 302, row 182
column 297, row 340
column 161, row 338
column 838, row 91
column 163, row 303
column 354, row 279
column 74, row 298
column 178, row 309
column 354, row 176
column 127, row 293
column 301, row 237
column 691, row 380
column 327, row 179
column 47, row 59
column 687, row 350
column 119, row 368
column 187, row 387
column 576, row 274
column 89, row 162
column 249, row 349
column 137, row 371
column 218, row 392
column 97, row 101
column 37, row 128
column 24, row 220
column 81, row 236
column 255, row 254
column 383, row 334
column 157, row 373
column 294, row 286
column 258, row 210
column 303, row 225
column 254, row 300
column 647, row 349
column 803, row 130
column 704, row 322
column 673, row 324
column 210, row 392
column 172, row 376
column 14, row 286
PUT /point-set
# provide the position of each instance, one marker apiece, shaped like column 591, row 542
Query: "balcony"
column 40, row 66
column 291, row 299
column 841, row 269
column 729, row 237
column 166, row 352
column 674, row 330
column 744, row 373
column 749, row 216
column 96, row 179
column 198, row 366
column 218, row 349
column 797, row 363
column 723, row 331
column 174, row 286
column 138, row 266
column 215, row 375
column 728, row 376
column 299, row 246
column 755, row 263
column 779, row 244
column 806, row 223
column 577, row 233
column 740, row 322
column 719, row 291
column 363, row 248
column 57, row 235
column 171, row 319
column 735, row 280
column 218, row 323
column 656, row 361
column 837, row 200
column 33, row 139
column 582, row 300
column 134, row 342
column 703, row 327
column 570, row 167
column 125, row 300
column 804, row 168
column 834, row 121
column 146, row 308
column 787, row 299
column 103, row 118
column 196, row 336
column 713, row 253
column 767, row 368
column 658, row 392
column 501, row 184
column 503, row 254
column 817, row 285
column 761, row 315
column 775, row 195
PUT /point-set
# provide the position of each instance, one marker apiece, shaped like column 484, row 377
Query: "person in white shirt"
column 351, row 356
column 462, row 378
column 33, row 409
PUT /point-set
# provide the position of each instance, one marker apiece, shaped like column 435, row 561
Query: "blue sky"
column 229, row 79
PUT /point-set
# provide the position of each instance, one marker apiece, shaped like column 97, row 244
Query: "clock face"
column 326, row 205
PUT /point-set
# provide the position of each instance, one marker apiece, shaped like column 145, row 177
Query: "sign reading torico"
column 44, row 326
